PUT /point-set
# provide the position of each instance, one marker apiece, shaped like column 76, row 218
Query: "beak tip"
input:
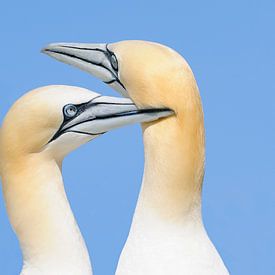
column 47, row 49
column 44, row 50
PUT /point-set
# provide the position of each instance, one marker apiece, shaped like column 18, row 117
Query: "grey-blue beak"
column 102, row 114
column 95, row 59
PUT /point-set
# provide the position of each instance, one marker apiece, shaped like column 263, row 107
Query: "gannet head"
column 58, row 119
column 153, row 75
column 149, row 73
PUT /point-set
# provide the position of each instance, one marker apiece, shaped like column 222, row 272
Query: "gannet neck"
column 174, row 165
column 167, row 234
column 42, row 218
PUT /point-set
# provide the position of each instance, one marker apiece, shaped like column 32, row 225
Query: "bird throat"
column 41, row 216
column 174, row 166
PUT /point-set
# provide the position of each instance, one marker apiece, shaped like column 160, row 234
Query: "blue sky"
column 230, row 47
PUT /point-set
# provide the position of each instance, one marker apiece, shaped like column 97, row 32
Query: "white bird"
column 167, row 234
column 40, row 129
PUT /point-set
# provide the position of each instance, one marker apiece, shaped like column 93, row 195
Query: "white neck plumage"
column 41, row 216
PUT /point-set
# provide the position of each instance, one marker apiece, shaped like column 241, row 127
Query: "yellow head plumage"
column 155, row 75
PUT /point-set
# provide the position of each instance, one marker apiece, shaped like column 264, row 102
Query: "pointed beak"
column 95, row 59
column 104, row 113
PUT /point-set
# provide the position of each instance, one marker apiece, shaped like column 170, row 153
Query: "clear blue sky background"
column 230, row 46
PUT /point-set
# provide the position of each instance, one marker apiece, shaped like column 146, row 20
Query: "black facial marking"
column 110, row 82
column 108, row 53
column 82, row 107
column 66, row 119
column 112, row 58
column 85, row 60
column 102, row 117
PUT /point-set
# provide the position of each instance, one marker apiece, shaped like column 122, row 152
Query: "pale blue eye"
column 114, row 62
column 70, row 110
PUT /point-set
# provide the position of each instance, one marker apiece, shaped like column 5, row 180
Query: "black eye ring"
column 70, row 110
column 114, row 62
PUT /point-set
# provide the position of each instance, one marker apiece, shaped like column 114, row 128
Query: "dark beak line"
column 79, row 58
column 85, row 133
column 129, row 113
column 88, row 61
column 85, row 49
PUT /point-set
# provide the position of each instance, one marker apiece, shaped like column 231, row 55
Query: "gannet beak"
column 95, row 59
column 103, row 114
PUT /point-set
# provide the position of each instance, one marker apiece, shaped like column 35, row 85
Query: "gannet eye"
column 70, row 110
column 114, row 62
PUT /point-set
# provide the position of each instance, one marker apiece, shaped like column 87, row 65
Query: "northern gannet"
column 40, row 129
column 167, row 235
